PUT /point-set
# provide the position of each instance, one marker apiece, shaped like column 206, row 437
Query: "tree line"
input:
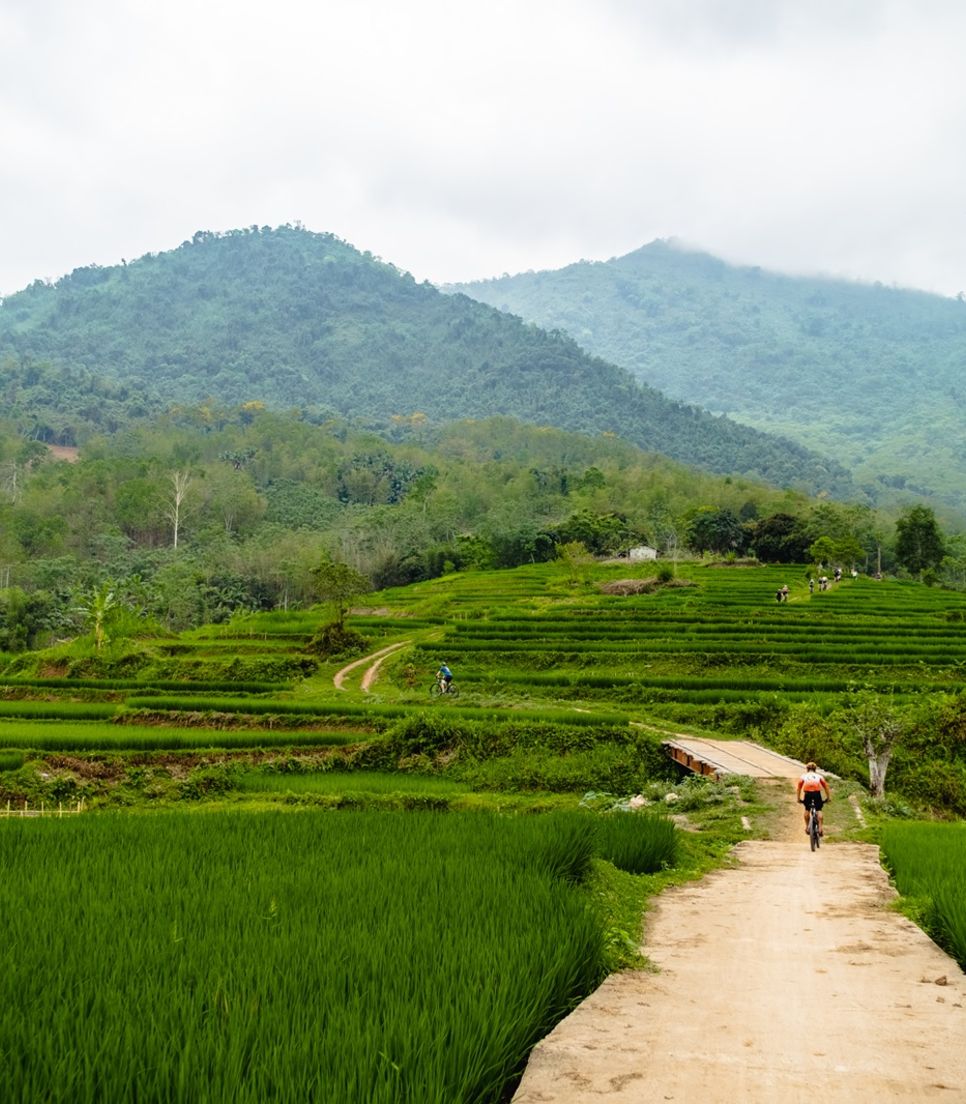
column 211, row 511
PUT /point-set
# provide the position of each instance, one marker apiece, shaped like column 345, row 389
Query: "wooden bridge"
column 718, row 758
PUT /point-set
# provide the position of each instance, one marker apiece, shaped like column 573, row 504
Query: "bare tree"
column 174, row 504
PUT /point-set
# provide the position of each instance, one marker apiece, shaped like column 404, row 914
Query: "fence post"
column 60, row 808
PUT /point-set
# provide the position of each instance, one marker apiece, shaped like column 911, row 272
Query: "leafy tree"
column 919, row 542
column 779, row 539
column 879, row 725
column 25, row 617
column 601, row 534
column 337, row 584
column 576, row 559
column 823, row 550
column 717, row 531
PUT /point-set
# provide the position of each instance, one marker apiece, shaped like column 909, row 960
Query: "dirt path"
column 785, row 978
column 374, row 660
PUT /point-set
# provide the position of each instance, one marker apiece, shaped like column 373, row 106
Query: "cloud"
column 463, row 140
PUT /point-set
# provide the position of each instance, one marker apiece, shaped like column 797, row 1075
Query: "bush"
column 336, row 640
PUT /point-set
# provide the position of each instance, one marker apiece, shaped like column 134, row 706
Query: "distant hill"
column 297, row 319
column 871, row 375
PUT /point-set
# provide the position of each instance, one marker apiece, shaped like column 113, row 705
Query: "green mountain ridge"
column 301, row 320
column 871, row 375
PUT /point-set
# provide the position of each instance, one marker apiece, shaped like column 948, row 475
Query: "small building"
column 642, row 552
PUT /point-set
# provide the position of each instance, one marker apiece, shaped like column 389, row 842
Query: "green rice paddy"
column 928, row 862
column 352, row 957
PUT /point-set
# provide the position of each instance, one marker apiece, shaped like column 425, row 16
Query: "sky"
column 461, row 141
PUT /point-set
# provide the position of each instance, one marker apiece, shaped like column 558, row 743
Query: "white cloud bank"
column 461, row 140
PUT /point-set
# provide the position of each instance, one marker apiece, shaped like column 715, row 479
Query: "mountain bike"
column 814, row 830
column 439, row 688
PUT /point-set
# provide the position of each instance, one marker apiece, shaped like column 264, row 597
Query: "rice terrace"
column 234, row 872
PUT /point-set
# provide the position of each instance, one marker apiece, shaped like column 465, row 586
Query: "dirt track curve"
column 375, row 661
column 785, row 978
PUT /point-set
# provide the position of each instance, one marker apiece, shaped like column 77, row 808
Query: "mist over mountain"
column 301, row 320
column 871, row 375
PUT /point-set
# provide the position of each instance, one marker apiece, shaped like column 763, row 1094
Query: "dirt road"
column 786, row 978
column 375, row 661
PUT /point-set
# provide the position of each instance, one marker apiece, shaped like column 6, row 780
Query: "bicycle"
column 440, row 688
column 814, row 829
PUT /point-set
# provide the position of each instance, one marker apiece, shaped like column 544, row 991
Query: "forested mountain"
column 871, row 375
column 294, row 319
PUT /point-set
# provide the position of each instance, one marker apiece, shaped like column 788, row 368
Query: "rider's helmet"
column 810, row 766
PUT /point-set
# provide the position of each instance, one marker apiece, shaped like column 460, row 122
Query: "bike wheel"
column 435, row 690
column 453, row 691
column 813, row 837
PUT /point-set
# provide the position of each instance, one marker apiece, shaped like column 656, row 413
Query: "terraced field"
column 532, row 645
column 564, row 689
column 684, row 650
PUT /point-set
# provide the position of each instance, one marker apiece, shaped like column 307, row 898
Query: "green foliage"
column 717, row 531
column 919, row 542
column 25, row 618
column 779, row 539
column 338, row 583
column 335, row 639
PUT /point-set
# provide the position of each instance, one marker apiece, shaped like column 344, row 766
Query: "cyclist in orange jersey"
column 810, row 787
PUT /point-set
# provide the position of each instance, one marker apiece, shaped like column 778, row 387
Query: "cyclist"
column 810, row 787
column 444, row 676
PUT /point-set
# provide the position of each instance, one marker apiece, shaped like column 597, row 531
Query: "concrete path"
column 785, row 979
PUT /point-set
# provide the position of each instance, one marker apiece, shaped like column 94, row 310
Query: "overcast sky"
column 461, row 140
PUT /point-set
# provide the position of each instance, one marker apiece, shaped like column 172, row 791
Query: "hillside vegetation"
column 299, row 320
column 868, row 374
column 214, row 511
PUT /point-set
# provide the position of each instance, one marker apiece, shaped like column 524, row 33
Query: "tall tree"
column 338, row 583
column 919, row 541
column 174, row 506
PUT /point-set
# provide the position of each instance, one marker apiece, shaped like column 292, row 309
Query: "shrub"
column 336, row 639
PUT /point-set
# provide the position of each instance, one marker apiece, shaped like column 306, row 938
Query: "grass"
column 928, row 863
column 52, row 736
column 332, row 782
column 427, row 981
